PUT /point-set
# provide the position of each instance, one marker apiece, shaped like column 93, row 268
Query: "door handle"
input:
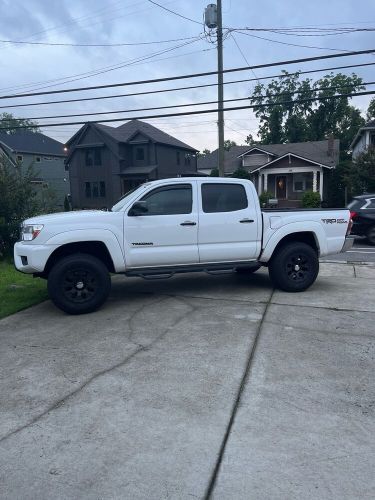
column 188, row 223
column 246, row 221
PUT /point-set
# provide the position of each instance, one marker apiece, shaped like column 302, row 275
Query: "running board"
column 151, row 273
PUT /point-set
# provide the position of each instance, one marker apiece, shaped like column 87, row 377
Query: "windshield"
column 130, row 194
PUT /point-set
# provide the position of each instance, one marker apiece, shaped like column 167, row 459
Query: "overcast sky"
column 29, row 67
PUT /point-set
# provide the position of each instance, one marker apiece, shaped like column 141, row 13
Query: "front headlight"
column 30, row 231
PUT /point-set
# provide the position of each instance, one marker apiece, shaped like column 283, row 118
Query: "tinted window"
column 223, row 197
column 169, row 200
column 355, row 204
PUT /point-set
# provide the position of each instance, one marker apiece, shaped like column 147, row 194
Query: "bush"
column 310, row 199
column 214, row 172
column 241, row 173
column 264, row 197
column 17, row 202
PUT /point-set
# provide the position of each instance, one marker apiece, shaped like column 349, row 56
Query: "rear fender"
column 294, row 228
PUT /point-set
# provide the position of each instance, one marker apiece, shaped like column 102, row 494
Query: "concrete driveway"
column 199, row 386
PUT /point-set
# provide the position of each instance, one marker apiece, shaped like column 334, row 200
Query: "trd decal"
column 142, row 244
column 335, row 221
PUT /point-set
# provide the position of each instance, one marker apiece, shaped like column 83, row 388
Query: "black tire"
column 79, row 283
column 294, row 267
column 371, row 235
column 248, row 270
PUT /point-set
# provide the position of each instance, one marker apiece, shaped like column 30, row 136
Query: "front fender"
column 103, row 235
column 295, row 227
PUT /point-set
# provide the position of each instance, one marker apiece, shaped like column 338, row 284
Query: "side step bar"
column 151, row 273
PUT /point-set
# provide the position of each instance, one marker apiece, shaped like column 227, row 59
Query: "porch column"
column 321, row 184
column 315, row 184
column 259, row 183
column 265, row 182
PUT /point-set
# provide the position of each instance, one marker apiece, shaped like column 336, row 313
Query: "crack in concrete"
column 336, row 309
column 236, row 405
column 94, row 377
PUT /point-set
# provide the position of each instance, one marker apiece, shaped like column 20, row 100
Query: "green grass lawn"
column 18, row 291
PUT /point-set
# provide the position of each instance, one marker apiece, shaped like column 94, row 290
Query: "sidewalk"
column 192, row 386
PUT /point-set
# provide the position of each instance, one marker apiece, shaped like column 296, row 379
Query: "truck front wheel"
column 294, row 267
column 79, row 283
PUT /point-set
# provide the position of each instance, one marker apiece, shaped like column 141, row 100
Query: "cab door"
column 167, row 234
column 228, row 222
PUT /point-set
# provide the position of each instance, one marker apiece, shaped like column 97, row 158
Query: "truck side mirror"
column 138, row 208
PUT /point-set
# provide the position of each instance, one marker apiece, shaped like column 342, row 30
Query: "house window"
column 139, row 154
column 95, row 189
column 20, row 158
column 178, row 158
column 88, row 189
column 38, row 159
column 93, row 157
column 299, row 183
column 187, row 159
column 102, row 189
column 48, row 158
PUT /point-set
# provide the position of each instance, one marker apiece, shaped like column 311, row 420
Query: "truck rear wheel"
column 294, row 267
column 79, row 283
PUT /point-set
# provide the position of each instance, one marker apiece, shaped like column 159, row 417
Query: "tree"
column 204, row 153
column 17, row 201
column 229, row 144
column 362, row 175
column 287, row 114
column 370, row 115
column 9, row 122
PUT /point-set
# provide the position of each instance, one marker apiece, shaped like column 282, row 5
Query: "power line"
column 204, row 111
column 190, row 87
column 243, row 55
column 96, row 44
column 192, row 75
column 132, row 62
column 175, row 13
column 290, row 44
column 108, row 69
column 184, row 105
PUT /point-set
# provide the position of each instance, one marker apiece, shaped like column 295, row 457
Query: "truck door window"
column 170, row 200
column 223, row 197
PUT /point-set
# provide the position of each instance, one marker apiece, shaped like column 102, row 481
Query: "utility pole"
column 220, row 89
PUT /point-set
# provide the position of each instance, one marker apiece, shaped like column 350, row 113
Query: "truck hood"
column 66, row 217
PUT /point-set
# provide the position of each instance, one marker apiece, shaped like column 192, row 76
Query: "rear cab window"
column 220, row 197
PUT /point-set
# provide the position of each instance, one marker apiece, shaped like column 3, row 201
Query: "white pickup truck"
column 176, row 226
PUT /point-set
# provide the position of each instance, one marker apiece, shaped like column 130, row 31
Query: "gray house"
column 45, row 155
column 364, row 139
column 106, row 162
column 284, row 170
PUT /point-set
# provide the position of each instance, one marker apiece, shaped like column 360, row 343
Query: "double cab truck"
column 174, row 226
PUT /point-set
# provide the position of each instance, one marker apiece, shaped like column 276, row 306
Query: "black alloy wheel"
column 79, row 283
column 294, row 267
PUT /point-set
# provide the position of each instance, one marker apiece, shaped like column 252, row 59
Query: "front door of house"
column 281, row 187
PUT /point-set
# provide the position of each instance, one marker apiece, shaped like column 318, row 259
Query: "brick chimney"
column 331, row 143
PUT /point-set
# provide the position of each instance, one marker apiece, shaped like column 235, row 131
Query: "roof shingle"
column 33, row 143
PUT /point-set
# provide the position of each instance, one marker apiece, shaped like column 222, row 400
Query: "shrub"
column 241, row 173
column 264, row 197
column 310, row 199
column 17, row 202
column 214, row 172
